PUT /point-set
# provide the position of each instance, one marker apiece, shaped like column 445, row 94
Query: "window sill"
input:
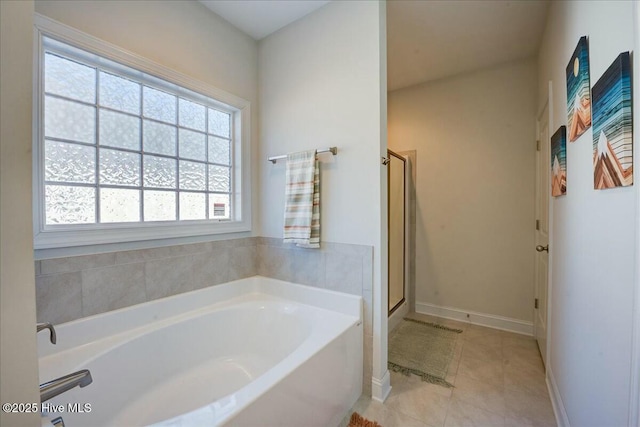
column 133, row 233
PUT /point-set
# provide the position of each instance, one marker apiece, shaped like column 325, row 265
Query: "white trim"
column 100, row 234
column 556, row 400
column 397, row 316
column 380, row 388
column 551, row 242
column 634, row 392
column 476, row 318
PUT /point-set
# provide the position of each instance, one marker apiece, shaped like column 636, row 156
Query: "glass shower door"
column 396, row 225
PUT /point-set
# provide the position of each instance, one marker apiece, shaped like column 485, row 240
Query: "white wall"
column 320, row 85
column 18, row 364
column 593, row 234
column 184, row 36
column 475, row 186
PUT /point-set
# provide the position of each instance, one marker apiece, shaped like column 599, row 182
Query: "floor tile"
column 445, row 322
column 462, row 414
column 421, row 400
column 525, row 379
column 477, row 350
column 398, row 419
column 490, row 371
column 483, row 395
column 498, row 379
column 526, row 407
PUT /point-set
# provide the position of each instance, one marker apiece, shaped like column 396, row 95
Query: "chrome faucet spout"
column 58, row 386
column 52, row 331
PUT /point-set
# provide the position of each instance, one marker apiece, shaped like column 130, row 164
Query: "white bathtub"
column 254, row 352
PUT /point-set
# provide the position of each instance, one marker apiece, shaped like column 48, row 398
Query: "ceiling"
column 426, row 39
column 429, row 40
column 259, row 18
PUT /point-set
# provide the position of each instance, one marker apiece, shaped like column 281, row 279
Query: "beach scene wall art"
column 612, row 126
column 578, row 95
column 559, row 162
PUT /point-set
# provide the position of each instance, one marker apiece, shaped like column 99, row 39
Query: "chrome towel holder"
column 332, row 150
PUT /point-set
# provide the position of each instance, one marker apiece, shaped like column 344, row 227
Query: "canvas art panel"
column 578, row 94
column 559, row 162
column 612, row 126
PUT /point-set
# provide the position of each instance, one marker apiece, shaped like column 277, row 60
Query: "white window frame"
column 92, row 234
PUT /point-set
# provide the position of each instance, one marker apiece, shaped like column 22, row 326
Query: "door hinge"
column 538, row 145
column 536, row 303
column 537, row 224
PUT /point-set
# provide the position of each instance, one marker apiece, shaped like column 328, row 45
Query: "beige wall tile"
column 275, row 262
column 59, row 297
column 76, row 263
column 243, row 262
column 170, row 276
column 308, row 267
column 128, row 257
column 210, row 268
column 111, row 288
column 344, row 273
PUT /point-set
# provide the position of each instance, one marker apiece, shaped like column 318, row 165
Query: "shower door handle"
column 541, row 248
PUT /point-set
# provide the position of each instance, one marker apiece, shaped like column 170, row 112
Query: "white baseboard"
column 562, row 419
column 380, row 388
column 482, row 319
column 397, row 316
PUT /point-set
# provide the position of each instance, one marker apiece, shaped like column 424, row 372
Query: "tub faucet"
column 58, row 386
column 52, row 331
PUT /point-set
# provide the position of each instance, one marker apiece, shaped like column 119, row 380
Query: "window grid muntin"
column 141, row 117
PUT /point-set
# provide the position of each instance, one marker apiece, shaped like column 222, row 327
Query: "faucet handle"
column 52, row 331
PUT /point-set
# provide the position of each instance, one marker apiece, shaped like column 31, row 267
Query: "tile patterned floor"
column 498, row 378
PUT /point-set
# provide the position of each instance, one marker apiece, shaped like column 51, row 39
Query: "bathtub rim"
column 96, row 327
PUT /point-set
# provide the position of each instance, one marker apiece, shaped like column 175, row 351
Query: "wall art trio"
column 607, row 107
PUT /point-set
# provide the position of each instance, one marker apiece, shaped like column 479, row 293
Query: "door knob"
column 541, row 248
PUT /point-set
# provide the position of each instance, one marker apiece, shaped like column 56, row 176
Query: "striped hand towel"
column 302, row 200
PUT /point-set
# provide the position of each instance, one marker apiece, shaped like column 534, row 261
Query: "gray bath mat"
column 424, row 349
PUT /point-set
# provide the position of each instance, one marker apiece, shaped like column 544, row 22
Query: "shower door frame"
column 390, row 311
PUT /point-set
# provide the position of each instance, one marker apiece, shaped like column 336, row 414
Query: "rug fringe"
column 425, row 377
column 358, row 420
column 434, row 325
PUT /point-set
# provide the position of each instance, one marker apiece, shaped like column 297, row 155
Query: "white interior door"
column 542, row 233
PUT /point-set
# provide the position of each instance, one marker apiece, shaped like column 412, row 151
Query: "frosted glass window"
column 159, row 172
column 118, row 145
column 159, row 205
column 119, row 205
column 219, row 206
column 159, row 105
column 219, row 178
column 192, row 176
column 192, row 115
column 159, row 138
column 69, row 78
column 219, row 123
column 64, row 162
column 193, row 206
column 119, row 130
column 119, row 168
column 219, row 150
column 70, row 205
column 69, row 120
column 192, row 145
column 119, row 94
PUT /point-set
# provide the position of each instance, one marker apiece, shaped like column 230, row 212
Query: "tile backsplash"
column 74, row 287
